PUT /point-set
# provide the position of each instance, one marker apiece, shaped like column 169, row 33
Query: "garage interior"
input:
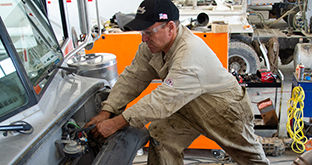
column 53, row 83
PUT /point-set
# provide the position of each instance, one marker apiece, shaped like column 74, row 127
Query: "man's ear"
column 172, row 26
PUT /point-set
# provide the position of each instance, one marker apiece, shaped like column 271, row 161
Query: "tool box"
column 307, row 88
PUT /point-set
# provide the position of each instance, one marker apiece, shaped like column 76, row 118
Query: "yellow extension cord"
column 295, row 114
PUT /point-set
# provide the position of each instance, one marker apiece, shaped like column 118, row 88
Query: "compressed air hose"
column 295, row 114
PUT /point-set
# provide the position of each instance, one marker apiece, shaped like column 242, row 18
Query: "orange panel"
column 125, row 45
column 218, row 42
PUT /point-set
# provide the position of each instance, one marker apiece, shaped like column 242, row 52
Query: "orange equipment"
column 124, row 46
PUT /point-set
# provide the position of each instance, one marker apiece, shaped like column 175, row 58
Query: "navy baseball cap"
column 151, row 11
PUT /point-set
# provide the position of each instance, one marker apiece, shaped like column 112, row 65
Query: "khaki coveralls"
column 197, row 96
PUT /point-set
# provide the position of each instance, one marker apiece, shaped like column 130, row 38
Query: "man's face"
column 157, row 37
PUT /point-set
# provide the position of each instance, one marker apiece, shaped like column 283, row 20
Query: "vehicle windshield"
column 32, row 38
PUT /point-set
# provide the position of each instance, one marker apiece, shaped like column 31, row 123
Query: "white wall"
column 107, row 8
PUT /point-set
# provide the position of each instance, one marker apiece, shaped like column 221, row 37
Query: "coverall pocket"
column 226, row 105
column 245, row 105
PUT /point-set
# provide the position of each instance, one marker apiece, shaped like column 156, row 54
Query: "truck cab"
column 38, row 97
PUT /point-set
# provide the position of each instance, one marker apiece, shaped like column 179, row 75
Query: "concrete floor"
column 204, row 157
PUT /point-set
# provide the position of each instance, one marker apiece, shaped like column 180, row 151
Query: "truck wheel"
column 295, row 19
column 243, row 58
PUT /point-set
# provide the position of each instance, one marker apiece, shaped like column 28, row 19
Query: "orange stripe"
column 6, row 4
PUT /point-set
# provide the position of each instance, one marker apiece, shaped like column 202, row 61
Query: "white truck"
column 249, row 28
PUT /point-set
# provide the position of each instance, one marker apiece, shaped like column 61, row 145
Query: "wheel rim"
column 239, row 64
column 298, row 21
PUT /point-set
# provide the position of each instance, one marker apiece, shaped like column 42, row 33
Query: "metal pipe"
column 83, row 16
column 279, row 132
column 98, row 17
column 88, row 38
column 81, row 46
column 264, row 53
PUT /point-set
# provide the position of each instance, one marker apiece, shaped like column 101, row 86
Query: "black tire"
column 242, row 58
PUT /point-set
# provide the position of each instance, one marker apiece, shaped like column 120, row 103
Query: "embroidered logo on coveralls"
column 169, row 82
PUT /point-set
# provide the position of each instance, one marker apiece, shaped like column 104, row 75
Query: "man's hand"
column 110, row 126
column 103, row 115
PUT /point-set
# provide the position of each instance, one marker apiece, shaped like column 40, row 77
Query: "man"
column 197, row 96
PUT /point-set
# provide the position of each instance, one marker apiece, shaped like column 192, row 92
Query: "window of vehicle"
column 54, row 15
column 33, row 39
column 13, row 94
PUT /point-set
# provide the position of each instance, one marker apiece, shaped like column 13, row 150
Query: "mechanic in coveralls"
column 197, row 96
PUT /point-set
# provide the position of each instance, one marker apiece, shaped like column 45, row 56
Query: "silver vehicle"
column 44, row 103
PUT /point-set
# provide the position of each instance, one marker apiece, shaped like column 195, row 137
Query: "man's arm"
column 133, row 80
column 179, row 88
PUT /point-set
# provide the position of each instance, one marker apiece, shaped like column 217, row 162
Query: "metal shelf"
column 277, row 84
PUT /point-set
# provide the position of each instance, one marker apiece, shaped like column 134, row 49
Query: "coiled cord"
column 295, row 115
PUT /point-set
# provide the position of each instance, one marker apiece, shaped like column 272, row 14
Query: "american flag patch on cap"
column 163, row 16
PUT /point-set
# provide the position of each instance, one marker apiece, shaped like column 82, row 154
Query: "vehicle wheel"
column 242, row 58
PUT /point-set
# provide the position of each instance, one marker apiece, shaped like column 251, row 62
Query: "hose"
column 295, row 115
column 74, row 124
column 284, row 15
